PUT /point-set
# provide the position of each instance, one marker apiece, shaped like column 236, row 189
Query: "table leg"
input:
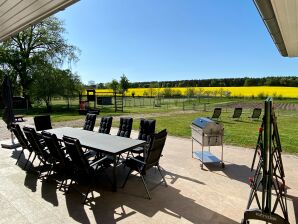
column 114, row 185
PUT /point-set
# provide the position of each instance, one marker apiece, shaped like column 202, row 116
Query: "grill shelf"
column 207, row 133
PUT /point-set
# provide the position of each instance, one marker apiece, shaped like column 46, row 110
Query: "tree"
column 47, row 83
column 221, row 92
column 152, row 89
column 190, row 92
column 200, row 93
column 167, row 92
column 72, row 85
column 40, row 44
column 123, row 84
column 114, row 85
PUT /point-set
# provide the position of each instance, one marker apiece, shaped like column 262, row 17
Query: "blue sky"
column 150, row 40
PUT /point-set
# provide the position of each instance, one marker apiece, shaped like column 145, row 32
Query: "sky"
column 161, row 40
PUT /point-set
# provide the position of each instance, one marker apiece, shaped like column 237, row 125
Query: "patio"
column 192, row 196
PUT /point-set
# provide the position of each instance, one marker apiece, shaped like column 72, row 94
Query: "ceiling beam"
column 269, row 18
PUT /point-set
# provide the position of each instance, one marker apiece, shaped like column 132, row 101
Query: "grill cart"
column 207, row 133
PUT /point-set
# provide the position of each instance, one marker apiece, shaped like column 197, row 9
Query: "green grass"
column 240, row 133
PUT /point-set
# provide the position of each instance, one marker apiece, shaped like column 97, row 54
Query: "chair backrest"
column 33, row 139
column 20, row 136
column 89, row 122
column 256, row 113
column 125, row 127
column 42, row 122
column 147, row 128
column 53, row 146
column 237, row 112
column 216, row 113
column 74, row 150
column 105, row 125
column 153, row 154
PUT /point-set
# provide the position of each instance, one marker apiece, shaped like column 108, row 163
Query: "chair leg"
column 143, row 179
column 39, row 172
column 91, row 185
column 123, row 185
column 19, row 156
column 127, row 156
column 68, row 189
column 65, row 186
column 31, row 165
column 50, row 171
column 27, row 160
column 164, row 180
column 61, row 184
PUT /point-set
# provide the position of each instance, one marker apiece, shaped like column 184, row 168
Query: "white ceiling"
column 16, row 15
column 287, row 17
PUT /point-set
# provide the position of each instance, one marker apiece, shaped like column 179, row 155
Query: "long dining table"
column 108, row 144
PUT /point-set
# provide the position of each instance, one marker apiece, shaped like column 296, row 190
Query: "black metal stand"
column 269, row 174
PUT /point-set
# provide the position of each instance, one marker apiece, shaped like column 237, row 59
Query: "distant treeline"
column 291, row 81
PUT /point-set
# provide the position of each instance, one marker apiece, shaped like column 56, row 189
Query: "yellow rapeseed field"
column 250, row 91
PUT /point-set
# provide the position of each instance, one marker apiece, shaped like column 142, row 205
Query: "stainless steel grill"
column 207, row 133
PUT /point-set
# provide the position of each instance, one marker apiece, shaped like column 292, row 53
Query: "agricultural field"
column 250, row 91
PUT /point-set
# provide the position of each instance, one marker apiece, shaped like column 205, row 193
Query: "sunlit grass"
column 171, row 115
column 239, row 133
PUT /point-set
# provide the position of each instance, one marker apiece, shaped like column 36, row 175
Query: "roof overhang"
column 17, row 15
column 281, row 20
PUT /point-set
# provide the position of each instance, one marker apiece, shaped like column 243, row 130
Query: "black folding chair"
column 146, row 130
column 58, row 155
column 39, row 148
column 23, row 142
column 125, row 127
column 216, row 113
column 105, row 125
column 89, row 122
column 150, row 159
column 83, row 168
column 237, row 113
column 42, row 122
column 256, row 113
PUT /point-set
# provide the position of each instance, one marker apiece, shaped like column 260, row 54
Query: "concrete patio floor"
column 193, row 195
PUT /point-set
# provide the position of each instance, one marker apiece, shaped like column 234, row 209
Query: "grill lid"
column 208, row 126
column 201, row 122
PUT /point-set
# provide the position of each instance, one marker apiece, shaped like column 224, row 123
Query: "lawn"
column 177, row 114
column 240, row 133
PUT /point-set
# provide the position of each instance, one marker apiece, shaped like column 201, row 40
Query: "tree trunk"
column 49, row 107
column 25, row 84
column 27, row 98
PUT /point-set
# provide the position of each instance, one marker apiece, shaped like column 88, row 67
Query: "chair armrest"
column 137, row 160
column 99, row 161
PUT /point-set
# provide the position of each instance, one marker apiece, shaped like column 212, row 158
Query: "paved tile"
column 193, row 195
